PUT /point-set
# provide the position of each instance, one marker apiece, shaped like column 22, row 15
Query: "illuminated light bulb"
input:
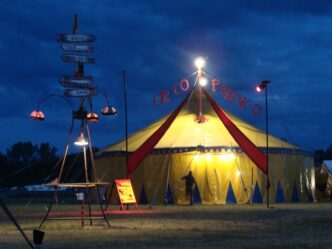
column 208, row 157
column 258, row 89
column 227, row 157
column 203, row 81
column 238, row 173
column 200, row 63
column 80, row 140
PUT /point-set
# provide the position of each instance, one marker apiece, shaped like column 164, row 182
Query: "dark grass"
column 242, row 226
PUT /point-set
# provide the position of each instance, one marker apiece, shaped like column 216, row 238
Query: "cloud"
column 156, row 43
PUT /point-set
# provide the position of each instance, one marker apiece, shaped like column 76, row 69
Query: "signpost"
column 74, row 81
column 75, row 38
column 78, row 58
column 77, row 47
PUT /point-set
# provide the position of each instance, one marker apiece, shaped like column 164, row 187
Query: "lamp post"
column 263, row 86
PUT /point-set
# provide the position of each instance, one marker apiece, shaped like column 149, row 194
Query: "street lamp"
column 259, row 88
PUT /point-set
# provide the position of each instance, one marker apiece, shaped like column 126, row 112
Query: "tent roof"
column 185, row 132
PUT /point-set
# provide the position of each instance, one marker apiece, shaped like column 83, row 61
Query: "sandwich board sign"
column 125, row 192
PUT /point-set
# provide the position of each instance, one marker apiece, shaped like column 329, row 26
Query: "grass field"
column 242, row 226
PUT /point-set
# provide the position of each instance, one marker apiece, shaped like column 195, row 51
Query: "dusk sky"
column 156, row 42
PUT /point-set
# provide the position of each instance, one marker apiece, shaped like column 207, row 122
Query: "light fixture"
column 196, row 157
column 37, row 115
column 92, row 117
column 261, row 86
column 200, row 63
column 109, row 111
column 203, row 81
column 227, row 157
column 80, row 140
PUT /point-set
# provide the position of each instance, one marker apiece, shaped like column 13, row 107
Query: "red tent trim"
column 138, row 156
column 247, row 146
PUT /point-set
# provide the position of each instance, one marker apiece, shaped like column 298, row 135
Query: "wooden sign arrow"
column 76, row 82
column 79, row 92
column 77, row 47
column 75, row 38
column 78, row 58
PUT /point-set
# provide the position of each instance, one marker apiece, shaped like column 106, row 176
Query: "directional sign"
column 76, row 82
column 77, row 47
column 78, row 58
column 75, row 38
column 79, row 92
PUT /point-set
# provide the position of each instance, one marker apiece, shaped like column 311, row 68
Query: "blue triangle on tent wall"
column 257, row 197
column 169, row 196
column 143, row 199
column 280, row 194
column 295, row 196
column 230, row 199
column 196, row 195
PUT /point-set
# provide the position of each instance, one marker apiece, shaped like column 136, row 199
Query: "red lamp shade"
column 92, row 117
column 37, row 115
column 109, row 110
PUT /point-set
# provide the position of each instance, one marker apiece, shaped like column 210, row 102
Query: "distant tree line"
column 25, row 163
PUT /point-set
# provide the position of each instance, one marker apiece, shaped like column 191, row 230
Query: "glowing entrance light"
column 196, row 157
column 227, row 157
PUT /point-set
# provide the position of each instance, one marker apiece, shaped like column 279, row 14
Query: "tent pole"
column 267, row 150
column 126, row 113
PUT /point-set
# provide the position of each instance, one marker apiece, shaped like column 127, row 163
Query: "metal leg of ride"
column 108, row 199
column 101, row 207
column 89, row 203
column 49, row 208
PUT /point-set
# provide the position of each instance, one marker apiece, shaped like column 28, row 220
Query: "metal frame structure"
column 78, row 50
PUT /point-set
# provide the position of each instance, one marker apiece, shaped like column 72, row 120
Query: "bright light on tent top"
column 200, row 63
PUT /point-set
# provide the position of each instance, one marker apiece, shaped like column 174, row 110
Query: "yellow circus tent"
column 225, row 154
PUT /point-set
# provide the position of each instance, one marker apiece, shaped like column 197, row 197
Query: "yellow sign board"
column 125, row 192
